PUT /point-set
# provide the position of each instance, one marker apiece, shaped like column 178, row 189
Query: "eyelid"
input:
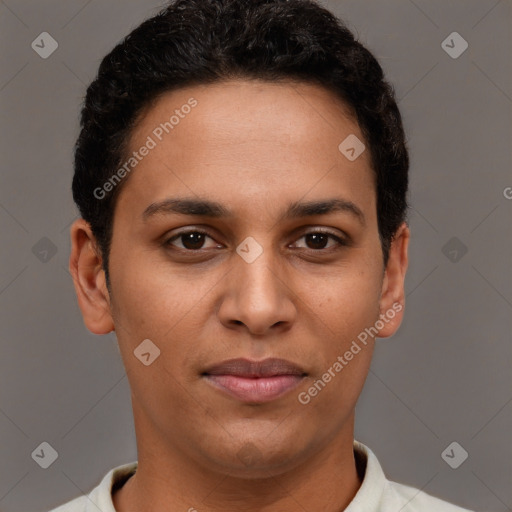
column 341, row 239
column 186, row 231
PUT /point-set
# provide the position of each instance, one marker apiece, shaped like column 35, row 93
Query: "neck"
column 327, row 480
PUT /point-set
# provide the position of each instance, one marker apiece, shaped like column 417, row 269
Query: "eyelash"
column 341, row 242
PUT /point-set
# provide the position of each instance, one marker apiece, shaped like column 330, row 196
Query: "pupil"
column 194, row 239
column 316, row 237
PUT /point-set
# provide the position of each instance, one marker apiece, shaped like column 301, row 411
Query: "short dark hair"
column 192, row 42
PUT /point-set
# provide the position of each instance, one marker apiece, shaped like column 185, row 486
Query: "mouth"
column 255, row 381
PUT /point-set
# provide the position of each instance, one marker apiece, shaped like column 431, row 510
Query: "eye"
column 318, row 239
column 192, row 240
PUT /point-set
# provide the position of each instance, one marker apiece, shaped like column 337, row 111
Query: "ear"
column 85, row 265
column 392, row 299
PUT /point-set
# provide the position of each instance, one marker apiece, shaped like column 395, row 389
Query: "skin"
column 254, row 147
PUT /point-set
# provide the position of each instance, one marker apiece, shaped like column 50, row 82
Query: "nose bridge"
column 256, row 267
column 259, row 297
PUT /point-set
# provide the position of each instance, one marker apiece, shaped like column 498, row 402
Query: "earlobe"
column 85, row 265
column 392, row 300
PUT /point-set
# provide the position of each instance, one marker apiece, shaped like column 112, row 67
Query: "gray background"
column 445, row 376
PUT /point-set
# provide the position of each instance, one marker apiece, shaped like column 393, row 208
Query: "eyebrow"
column 213, row 209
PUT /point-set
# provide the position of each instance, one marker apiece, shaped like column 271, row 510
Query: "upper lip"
column 246, row 368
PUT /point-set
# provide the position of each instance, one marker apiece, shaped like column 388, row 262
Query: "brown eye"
column 194, row 240
column 317, row 240
column 190, row 240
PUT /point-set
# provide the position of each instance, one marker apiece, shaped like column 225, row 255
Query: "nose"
column 258, row 296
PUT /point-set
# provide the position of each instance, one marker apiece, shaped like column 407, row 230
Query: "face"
column 248, row 277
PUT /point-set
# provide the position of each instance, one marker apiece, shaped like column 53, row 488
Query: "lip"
column 255, row 381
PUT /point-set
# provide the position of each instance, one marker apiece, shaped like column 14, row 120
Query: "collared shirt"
column 376, row 494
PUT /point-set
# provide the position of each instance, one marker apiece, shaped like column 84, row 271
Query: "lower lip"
column 256, row 390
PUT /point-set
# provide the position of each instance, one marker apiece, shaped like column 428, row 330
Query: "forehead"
column 247, row 139
column 230, row 112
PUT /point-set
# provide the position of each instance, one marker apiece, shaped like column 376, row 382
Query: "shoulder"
column 411, row 499
column 378, row 494
column 100, row 498
column 76, row 505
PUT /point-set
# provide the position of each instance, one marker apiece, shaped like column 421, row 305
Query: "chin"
column 255, row 459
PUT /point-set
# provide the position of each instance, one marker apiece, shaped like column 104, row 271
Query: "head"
column 242, row 109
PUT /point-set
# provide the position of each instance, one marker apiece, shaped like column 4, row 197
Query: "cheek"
column 148, row 306
column 151, row 298
column 349, row 300
column 348, row 306
column 170, row 310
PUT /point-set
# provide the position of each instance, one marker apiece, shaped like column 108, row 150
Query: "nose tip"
column 256, row 296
